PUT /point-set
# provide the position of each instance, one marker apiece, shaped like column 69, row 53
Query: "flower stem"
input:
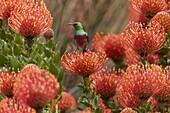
column 39, row 110
column 29, row 41
column 86, row 81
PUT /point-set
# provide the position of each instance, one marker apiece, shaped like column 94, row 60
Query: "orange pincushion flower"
column 153, row 58
column 35, row 87
column 104, row 108
column 163, row 18
column 126, row 97
column 136, row 15
column 6, row 83
column 128, row 110
column 131, row 57
column 83, row 64
column 29, row 67
column 110, row 43
column 8, row 105
column 98, row 42
column 164, row 92
column 143, row 40
column 101, row 104
column 146, row 8
column 153, row 101
column 6, row 6
column 48, row 34
column 87, row 110
column 138, row 82
column 67, row 102
column 105, row 83
column 30, row 19
column 113, row 47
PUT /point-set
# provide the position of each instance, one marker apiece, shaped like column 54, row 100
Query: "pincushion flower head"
column 128, row 110
column 110, row 43
column 6, row 6
column 163, row 18
column 35, row 87
column 28, row 68
column 48, row 34
column 138, row 84
column 105, row 83
column 132, row 57
column 6, row 83
column 9, row 105
column 104, row 107
column 83, row 64
column 87, row 110
column 143, row 40
column 30, row 19
column 67, row 102
column 144, row 10
column 153, row 58
column 164, row 92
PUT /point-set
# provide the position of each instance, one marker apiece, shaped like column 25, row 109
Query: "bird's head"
column 77, row 25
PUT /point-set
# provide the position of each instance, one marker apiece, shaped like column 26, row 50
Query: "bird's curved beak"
column 70, row 24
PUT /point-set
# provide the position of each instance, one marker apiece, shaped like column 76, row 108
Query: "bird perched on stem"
column 81, row 37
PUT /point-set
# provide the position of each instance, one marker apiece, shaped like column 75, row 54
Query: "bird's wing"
column 87, row 38
column 86, row 35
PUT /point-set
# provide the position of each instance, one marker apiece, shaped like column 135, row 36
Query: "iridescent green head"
column 77, row 25
column 79, row 28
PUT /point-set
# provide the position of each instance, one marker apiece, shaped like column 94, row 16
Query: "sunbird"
column 81, row 37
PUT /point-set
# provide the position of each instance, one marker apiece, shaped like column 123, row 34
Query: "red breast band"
column 80, row 37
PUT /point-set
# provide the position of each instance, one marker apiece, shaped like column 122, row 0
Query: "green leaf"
column 2, row 35
column 18, row 39
column 10, row 37
column 81, row 86
column 1, row 96
column 38, row 58
column 34, row 62
column 60, row 75
column 51, row 43
column 1, row 43
column 80, row 99
column 14, row 63
column 3, row 60
column 80, row 108
column 92, row 94
column 56, row 58
column 5, row 48
column 60, row 90
column 54, row 70
column 98, row 110
column 59, row 98
column 10, row 49
column 87, row 90
column 16, row 50
column 96, row 99
column 86, row 104
column 1, row 23
column 168, row 109
column 38, row 48
column 164, row 50
column 48, row 52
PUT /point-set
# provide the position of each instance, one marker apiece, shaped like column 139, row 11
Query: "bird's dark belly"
column 82, row 43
